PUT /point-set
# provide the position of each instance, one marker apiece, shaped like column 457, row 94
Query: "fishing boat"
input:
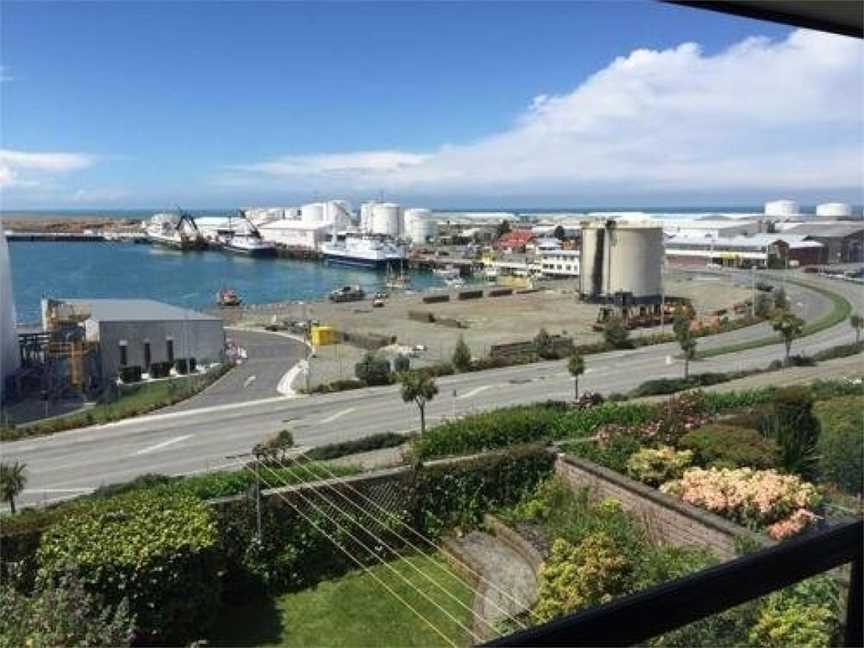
column 245, row 239
column 397, row 282
column 447, row 273
column 363, row 251
column 175, row 230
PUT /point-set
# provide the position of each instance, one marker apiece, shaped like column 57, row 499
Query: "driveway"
column 269, row 357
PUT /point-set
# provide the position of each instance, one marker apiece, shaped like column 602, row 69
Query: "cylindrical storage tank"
column 312, row 213
column 366, row 214
column 781, row 208
column 419, row 227
column 385, row 219
column 292, row 213
column 635, row 260
column 834, row 210
column 591, row 261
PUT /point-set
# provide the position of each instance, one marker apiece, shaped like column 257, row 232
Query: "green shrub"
column 63, row 615
column 725, row 445
column 660, row 386
column 795, row 428
column 616, row 335
column 462, row 355
column 158, row 551
column 401, row 363
column 661, row 563
column 373, row 369
column 371, row 442
column 655, row 466
column 841, row 443
column 577, row 576
column 460, row 494
column 806, row 614
column 523, row 424
column 839, row 351
column 613, row 454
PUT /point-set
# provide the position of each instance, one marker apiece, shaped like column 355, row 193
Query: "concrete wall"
column 203, row 340
column 667, row 519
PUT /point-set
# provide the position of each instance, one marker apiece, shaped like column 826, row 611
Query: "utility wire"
column 370, row 551
column 429, row 542
column 382, row 524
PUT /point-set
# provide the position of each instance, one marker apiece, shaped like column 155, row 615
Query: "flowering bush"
column 756, row 498
column 575, row 576
column 655, row 466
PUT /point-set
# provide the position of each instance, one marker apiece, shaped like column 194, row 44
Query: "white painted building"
column 296, row 233
column 560, row 263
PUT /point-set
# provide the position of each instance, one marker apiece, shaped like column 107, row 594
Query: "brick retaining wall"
column 667, row 519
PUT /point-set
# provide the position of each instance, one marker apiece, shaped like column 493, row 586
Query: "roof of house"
column 516, row 237
column 828, row 230
column 138, row 310
column 756, row 241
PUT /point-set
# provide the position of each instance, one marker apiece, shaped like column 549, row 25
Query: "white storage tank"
column 366, row 215
column 781, row 208
column 386, row 219
column 420, row 226
column 834, row 210
column 621, row 258
column 312, row 213
column 9, row 354
column 338, row 212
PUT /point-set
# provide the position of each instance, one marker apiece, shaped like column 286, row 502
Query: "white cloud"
column 760, row 114
column 98, row 195
column 27, row 169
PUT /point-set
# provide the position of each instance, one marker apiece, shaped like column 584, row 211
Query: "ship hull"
column 253, row 252
column 173, row 244
column 359, row 262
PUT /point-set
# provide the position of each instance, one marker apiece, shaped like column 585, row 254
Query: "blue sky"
column 218, row 104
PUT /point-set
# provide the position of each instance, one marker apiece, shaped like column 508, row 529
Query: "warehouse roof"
column 756, row 241
column 137, row 310
column 828, row 230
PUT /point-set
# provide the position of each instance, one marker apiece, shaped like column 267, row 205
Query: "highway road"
column 196, row 440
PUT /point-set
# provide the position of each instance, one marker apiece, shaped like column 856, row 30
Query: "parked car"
column 347, row 294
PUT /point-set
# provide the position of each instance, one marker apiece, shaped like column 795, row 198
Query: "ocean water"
column 189, row 279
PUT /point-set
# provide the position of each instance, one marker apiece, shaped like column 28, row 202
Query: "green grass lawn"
column 840, row 310
column 137, row 400
column 354, row 611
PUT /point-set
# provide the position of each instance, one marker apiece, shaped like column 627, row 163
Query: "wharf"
column 428, row 263
column 53, row 236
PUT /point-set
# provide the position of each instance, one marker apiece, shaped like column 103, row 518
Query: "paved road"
column 196, row 440
column 269, row 357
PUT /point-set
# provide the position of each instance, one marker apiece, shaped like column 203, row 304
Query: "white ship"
column 363, row 251
column 241, row 237
column 447, row 273
column 175, row 230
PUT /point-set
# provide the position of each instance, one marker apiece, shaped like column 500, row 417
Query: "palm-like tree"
column 576, row 367
column 12, row 481
column 420, row 388
column 790, row 327
column 685, row 338
column 856, row 321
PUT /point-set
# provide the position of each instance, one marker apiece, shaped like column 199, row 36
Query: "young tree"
column 616, row 334
column 763, row 306
column 12, row 481
column 559, row 233
column 420, row 388
column 544, row 345
column 685, row 338
column 461, row 355
column 856, row 321
column 790, row 327
column 576, row 367
column 781, row 301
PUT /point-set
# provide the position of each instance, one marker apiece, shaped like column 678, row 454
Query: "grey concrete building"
column 138, row 332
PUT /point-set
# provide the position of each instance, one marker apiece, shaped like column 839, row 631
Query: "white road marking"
column 164, row 444
column 284, row 386
column 248, row 381
column 337, row 415
column 475, row 391
column 57, row 490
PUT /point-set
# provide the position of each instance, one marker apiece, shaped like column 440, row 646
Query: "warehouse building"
column 759, row 250
column 133, row 333
column 714, row 227
column 843, row 241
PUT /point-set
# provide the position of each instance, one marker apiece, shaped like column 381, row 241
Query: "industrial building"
column 711, row 227
column 621, row 262
column 743, row 251
column 843, row 241
column 99, row 336
column 295, row 233
column 560, row 263
column 9, row 356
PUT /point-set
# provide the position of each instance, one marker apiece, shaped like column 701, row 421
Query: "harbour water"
column 189, row 279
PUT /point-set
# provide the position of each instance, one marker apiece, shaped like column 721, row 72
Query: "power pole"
column 753, row 291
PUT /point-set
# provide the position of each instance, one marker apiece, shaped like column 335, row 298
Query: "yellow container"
column 323, row 335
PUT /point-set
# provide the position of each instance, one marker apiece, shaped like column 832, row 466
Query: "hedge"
column 523, row 424
column 371, row 442
column 156, row 551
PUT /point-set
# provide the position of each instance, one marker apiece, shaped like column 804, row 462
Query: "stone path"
column 507, row 587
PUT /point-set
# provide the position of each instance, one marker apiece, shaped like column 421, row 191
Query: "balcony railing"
column 634, row 619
